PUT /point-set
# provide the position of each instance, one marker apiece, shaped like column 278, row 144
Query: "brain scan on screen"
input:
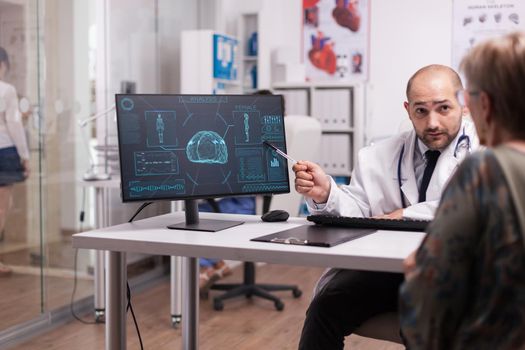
column 207, row 147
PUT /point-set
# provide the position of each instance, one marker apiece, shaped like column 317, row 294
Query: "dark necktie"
column 431, row 157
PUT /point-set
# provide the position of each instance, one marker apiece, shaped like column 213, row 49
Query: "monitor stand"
column 193, row 223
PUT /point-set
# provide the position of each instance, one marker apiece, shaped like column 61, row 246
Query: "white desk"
column 380, row 251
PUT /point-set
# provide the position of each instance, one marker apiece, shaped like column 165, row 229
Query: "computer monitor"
column 186, row 147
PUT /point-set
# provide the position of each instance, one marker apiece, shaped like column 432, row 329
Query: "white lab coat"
column 374, row 186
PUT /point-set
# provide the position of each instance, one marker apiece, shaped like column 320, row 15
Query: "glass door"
column 67, row 98
column 21, row 230
column 47, row 84
column 64, row 61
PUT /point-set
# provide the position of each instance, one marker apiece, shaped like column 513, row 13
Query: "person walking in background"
column 14, row 152
column 465, row 285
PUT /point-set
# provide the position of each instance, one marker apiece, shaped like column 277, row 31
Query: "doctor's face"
column 434, row 109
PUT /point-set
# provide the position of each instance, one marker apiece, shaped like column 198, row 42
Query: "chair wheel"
column 297, row 292
column 218, row 305
column 279, row 305
column 248, row 295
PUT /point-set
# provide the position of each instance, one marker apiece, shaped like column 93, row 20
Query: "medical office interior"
column 68, row 58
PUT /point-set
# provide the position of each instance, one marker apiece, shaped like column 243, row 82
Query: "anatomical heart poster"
column 335, row 40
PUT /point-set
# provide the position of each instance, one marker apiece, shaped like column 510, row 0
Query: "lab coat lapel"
column 408, row 177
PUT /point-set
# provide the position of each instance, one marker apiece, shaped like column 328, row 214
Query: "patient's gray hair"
column 497, row 67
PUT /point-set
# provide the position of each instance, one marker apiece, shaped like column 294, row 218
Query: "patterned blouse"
column 468, row 288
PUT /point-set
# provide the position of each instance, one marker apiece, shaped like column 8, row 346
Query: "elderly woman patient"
column 465, row 285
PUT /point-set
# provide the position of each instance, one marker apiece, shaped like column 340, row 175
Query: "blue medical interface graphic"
column 156, row 163
column 140, row 189
column 126, row 104
column 197, row 146
column 159, row 125
column 207, row 147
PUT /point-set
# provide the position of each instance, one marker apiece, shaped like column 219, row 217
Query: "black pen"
column 279, row 151
column 316, row 244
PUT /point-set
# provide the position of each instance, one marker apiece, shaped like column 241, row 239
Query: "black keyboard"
column 377, row 224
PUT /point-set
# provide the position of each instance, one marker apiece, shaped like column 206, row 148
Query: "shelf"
column 338, row 131
column 228, row 82
column 250, row 58
column 318, row 84
column 333, row 104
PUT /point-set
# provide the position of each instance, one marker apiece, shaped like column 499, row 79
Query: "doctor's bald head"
column 434, row 69
column 433, row 106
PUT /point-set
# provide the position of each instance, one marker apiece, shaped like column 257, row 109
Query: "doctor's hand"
column 396, row 215
column 311, row 181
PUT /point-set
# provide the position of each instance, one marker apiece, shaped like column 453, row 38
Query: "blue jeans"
column 204, row 262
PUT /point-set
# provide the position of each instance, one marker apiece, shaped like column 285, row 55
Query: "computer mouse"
column 275, row 215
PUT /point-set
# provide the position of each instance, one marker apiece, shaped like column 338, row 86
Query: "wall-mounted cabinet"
column 339, row 108
column 209, row 63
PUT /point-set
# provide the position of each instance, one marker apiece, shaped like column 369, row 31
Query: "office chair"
column 248, row 287
column 303, row 138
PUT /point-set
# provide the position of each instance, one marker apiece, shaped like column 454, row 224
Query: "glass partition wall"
column 67, row 59
column 50, row 56
column 21, row 278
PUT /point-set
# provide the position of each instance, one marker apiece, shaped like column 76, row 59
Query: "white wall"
column 133, row 45
column 142, row 44
column 76, row 151
column 405, row 36
column 138, row 41
column 174, row 16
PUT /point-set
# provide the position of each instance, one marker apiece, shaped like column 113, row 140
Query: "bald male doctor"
column 402, row 176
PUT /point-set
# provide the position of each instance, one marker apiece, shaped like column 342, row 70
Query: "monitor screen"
column 198, row 146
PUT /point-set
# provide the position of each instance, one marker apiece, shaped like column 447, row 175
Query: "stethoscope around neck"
column 462, row 146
